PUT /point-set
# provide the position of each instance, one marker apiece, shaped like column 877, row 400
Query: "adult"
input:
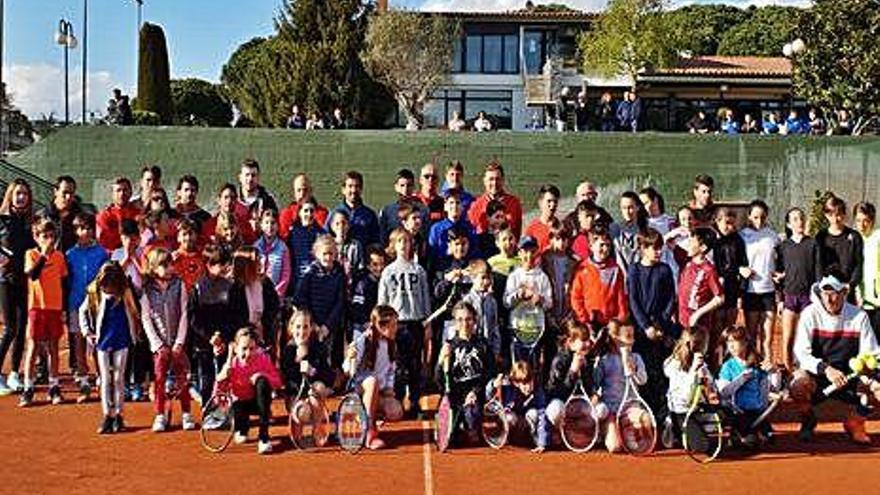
column 817, row 123
column 302, row 191
column 111, row 217
column 63, row 209
column 187, row 206
column 750, row 125
column 455, row 180
column 337, row 121
column 151, row 178
column 16, row 215
column 635, row 112
column 606, row 113
column 456, row 123
column 699, row 123
column 830, row 332
column 250, row 191
column 429, row 193
column 729, row 125
column 229, row 205
column 587, row 192
column 548, row 201
column 624, row 234
column 622, row 112
column 868, row 295
column 582, row 113
column 482, row 122
column 795, row 125
column 364, row 222
column 389, row 216
column 296, row 120
column 701, row 204
column 493, row 184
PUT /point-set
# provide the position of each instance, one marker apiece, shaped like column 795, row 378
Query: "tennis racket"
column 635, row 420
column 703, row 433
column 528, row 323
column 495, row 426
column 309, row 419
column 579, row 429
column 858, row 365
column 218, row 423
column 445, row 420
column 352, row 423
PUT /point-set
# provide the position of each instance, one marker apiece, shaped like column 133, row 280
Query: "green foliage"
column 629, row 36
column 19, row 127
column 763, row 33
column 199, row 102
column 412, row 55
column 816, row 220
column 154, row 79
column 699, row 28
column 840, row 67
column 145, row 117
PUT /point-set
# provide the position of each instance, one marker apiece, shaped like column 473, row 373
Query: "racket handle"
column 830, row 389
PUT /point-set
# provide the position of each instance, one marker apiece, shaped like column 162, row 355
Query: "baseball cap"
column 830, row 282
column 528, row 242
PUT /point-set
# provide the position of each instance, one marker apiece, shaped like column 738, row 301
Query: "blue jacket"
column 514, row 400
column 730, row 127
column 364, row 222
column 797, row 126
column 300, row 242
column 438, row 242
column 652, row 295
column 364, row 297
column 83, row 264
column 322, row 292
column 466, row 198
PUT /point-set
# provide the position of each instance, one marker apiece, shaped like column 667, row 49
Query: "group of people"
column 795, row 124
column 315, row 121
column 258, row 298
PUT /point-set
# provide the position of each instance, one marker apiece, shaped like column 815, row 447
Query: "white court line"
column 427, row 446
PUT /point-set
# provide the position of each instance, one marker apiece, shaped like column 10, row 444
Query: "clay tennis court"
column 54, row 449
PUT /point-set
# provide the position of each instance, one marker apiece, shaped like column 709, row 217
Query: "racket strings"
column 637, row 428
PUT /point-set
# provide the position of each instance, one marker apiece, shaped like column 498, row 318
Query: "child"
column 211, row 319
column 868, row 295
column 274, row 255
column 634, row 220
column 609, row 377
column 729, row 256
column 322, row 292
column 506, row 260
column 796, row 261
column 109, row 321
column 439, row 238
column 228, row 205
column 304, row 354
column 700, row 294
column 301, row 240
column 586, row 215
column 559, row 265
column 188, row 262
column 677, row 239
column 759, row 301
column 412, row 220
column 683, row 368
column 351, row 251
column 165, row 319
column 455, row 281
column 253, row 300
column 158, row 231
column 365, row 292
column 571, row 365
column 131, row 255
column 548, row 202
column 487, row 244
column 597, row 289
column 482, row 298
column 84, row 260
column 466, row 364
column 743, row 384
column 228, row 233
column 371, row 363
column 840, row 246
column 651, row 290
column 45, row 269
column 524, row 403
column 250, row 377
column 404, row 287
column 527, row 284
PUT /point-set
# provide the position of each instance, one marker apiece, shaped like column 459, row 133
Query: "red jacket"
column 238, row 381
column 598, row 292
column 108, row 222
column 290, row 215
column 512, row 204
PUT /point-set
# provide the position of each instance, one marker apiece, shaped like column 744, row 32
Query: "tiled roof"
column 728, row 66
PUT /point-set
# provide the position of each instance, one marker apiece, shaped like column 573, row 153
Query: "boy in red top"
column 700, row 292
column 110, row 219
column 548, row 201
column 188, row 261
column 45, row 268
column 598, row 293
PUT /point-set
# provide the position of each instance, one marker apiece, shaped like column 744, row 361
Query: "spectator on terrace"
column 817, row 123
column 482, row 124
column 582, row 113
column 296, row 119
column 606, row 112
column 337, row 121
column 729, row 125
column 622, row 112
column 456, row 123
column 699, row 123
column 315, row 122
column 750, row 125
column 771, row 123
column 635, row 112
column 795, row 125
column 844, row 124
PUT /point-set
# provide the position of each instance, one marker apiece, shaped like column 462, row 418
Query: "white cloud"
column 38, row 89
column 585, row 5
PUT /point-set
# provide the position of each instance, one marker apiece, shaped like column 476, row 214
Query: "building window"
column 475, row 54
column 498, row 106
column 511, row 54
column 457, row 56
column 491, row 54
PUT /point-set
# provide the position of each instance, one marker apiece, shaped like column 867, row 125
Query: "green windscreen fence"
column 784, row 171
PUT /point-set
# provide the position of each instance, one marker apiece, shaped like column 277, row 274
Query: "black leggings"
column 409, row 343
column 13, row 305
column 261, row 405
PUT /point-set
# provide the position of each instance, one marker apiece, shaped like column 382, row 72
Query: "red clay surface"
column 54, row 449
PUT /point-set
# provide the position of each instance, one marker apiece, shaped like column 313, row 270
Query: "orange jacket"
column 598, row 292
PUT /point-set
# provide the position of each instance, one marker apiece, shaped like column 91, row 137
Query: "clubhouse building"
column 514, row 65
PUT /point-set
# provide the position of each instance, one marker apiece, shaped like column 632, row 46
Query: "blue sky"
column 201, row 35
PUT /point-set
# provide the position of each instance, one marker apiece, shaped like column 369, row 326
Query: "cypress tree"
column 154, row 74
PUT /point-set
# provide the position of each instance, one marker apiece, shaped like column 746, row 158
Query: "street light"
column 66, row 38
column 794, row 48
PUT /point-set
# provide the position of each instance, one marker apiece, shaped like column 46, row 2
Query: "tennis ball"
column 856, row 365
column 870, row 362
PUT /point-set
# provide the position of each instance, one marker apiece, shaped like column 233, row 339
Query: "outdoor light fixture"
column 796, row 47
column 66, row 38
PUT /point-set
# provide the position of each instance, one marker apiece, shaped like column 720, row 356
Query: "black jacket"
column 15, row 240
column 470, row 369
column 209, row 312
column 561, row 381
column 238, row 308
column 317, row 358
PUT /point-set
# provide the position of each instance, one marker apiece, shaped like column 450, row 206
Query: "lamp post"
column 66, row 38
column 85, row 58
column 2, row 82
column 790, row 51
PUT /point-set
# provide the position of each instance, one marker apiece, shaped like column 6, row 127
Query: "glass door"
column 534, row 50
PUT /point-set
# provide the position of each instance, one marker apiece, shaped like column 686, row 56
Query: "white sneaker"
column 239, row 439
column 264, row 447
column 194, row 394
column 4, row 390
column 188, row 422
column 159, row 423
column 13, row 381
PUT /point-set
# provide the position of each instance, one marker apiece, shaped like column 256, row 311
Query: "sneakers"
column 85, row 391
column 808, row 425
column 55, row 396
column 264, row 447
column 4, row 390
column 194, row 394
column 187, row 422
column 106, row 426
column 855, row 428
column 137, row 393
column 118, row 424
column 160, row 423
column 27, row 398
column 239, row 438
column 13, row 382
column 373, row 441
